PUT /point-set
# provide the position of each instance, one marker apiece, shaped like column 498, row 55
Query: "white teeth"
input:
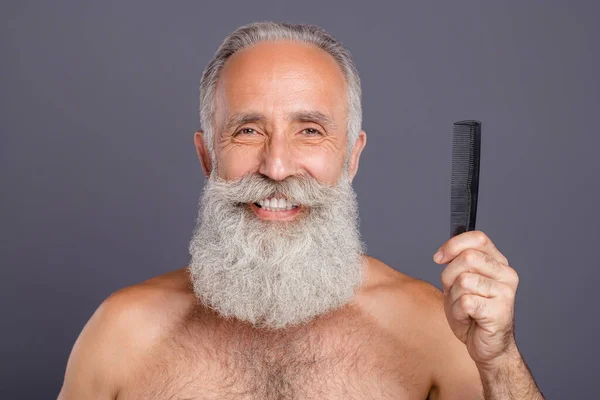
column 275, row 204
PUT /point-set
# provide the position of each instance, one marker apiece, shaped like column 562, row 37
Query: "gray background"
column 100, row 179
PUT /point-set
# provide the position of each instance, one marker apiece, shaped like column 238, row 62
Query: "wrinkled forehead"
column 281, row 78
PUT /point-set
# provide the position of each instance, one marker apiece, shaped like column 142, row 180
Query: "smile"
column 276, row 208
column 276, row 204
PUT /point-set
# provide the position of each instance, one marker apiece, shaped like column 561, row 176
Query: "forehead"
column 283, row 77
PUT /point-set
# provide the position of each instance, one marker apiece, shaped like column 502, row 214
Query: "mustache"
column 299, row 189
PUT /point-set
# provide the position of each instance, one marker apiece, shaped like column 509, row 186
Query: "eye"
column 246, row 132
column 311, row 132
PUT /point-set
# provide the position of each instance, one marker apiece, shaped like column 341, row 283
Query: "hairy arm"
column 457, row 376
column 479, row 300
column 510, row 379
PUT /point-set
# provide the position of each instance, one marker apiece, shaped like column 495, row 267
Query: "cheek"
column 235, row 163
column 323, row 165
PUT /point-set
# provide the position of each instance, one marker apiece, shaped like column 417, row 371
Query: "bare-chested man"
column 279, row 300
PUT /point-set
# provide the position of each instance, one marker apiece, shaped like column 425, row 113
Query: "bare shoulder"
column 413, row 310
column 156, row 305
column 393, row 295
column 125, row 326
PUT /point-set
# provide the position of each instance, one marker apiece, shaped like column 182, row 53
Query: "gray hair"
column 254, row 33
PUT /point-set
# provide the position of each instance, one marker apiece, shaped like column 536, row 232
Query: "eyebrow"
column 243, row 118
column 317, row 117
column 313, row 116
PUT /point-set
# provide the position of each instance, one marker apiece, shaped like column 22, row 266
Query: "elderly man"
column 279, row 300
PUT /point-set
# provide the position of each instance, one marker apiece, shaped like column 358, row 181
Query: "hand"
column 479, row 296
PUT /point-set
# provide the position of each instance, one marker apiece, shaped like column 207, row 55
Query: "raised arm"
column 479, row 297
column 509, row 378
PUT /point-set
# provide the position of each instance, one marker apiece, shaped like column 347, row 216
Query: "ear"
column 203, row 154
column 359, row 145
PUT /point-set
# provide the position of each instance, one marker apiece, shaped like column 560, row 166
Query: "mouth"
column 276, row 208
column 276, row 204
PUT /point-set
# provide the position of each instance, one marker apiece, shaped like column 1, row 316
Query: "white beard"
column 276, row 274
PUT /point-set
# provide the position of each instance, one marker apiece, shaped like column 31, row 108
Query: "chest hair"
column 350, row 359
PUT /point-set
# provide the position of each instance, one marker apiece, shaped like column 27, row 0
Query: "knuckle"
column 513, row 276
column 481, row 238
column 464, row 280
column 470, row 256
column 446, row 279
column 466, row 302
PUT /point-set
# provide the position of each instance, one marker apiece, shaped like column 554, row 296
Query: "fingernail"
column 438, row 256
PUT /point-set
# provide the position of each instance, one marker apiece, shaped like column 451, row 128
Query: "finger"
column 469, row 240
column 469, row 307
column 489, row 313
column 471, row 283
column 475, row 261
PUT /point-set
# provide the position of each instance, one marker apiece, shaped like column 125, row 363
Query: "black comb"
column 466, row 149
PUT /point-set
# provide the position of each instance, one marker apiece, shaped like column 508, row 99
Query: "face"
column 281, row 111
column 277, row 241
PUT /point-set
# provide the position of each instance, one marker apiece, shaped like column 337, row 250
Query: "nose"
column 277, row 159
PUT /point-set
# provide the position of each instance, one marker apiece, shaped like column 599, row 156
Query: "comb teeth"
column 466, row 147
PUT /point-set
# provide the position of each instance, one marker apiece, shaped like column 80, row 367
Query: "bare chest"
column 355, row 363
